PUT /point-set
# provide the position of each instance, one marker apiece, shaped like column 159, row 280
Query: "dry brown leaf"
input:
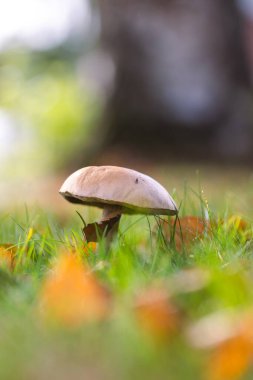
column 185, row 231
column 71, row 295
column 95, row 230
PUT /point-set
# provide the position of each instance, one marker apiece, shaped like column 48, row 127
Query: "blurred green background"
column 56, row 73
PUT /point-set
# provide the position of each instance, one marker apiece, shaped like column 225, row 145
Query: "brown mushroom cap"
column 135, row 192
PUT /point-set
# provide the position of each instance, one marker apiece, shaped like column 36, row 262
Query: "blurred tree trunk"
column 181, row 83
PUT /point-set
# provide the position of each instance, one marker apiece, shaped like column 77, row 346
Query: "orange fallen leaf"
column 186, row 230
column 7, row 255
column 156, row 314
column 71, row 295
column 90, row 247
column 86, row 248
column 231, row 360
column 230, row 338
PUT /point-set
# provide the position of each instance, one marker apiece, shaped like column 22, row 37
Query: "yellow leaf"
column 29, row 235
column 241, row 226
column 237, row 221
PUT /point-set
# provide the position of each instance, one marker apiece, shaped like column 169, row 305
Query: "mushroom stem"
column 110, row 211
column 112, row 232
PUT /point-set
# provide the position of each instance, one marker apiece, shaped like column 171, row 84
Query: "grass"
column 211, row 277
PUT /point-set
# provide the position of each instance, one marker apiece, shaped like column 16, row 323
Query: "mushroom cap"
column 135, row 192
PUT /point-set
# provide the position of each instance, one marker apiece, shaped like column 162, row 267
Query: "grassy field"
column 164, row 301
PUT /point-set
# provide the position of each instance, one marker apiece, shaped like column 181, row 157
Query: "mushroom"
column 117, row 191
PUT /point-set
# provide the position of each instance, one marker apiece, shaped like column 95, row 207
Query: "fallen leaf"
column 7, row 255
column 156, row 314
column 229, row 338
column 185, row 231
column 188, row 280
column 238, row 224
column 212, row 330
column 90, row 247
column 29, row 234
column 71, row 295
column 93, row 231
column 231, row 360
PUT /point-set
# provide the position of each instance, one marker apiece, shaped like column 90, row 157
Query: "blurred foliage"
column 53, row 115
column 139, row 309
